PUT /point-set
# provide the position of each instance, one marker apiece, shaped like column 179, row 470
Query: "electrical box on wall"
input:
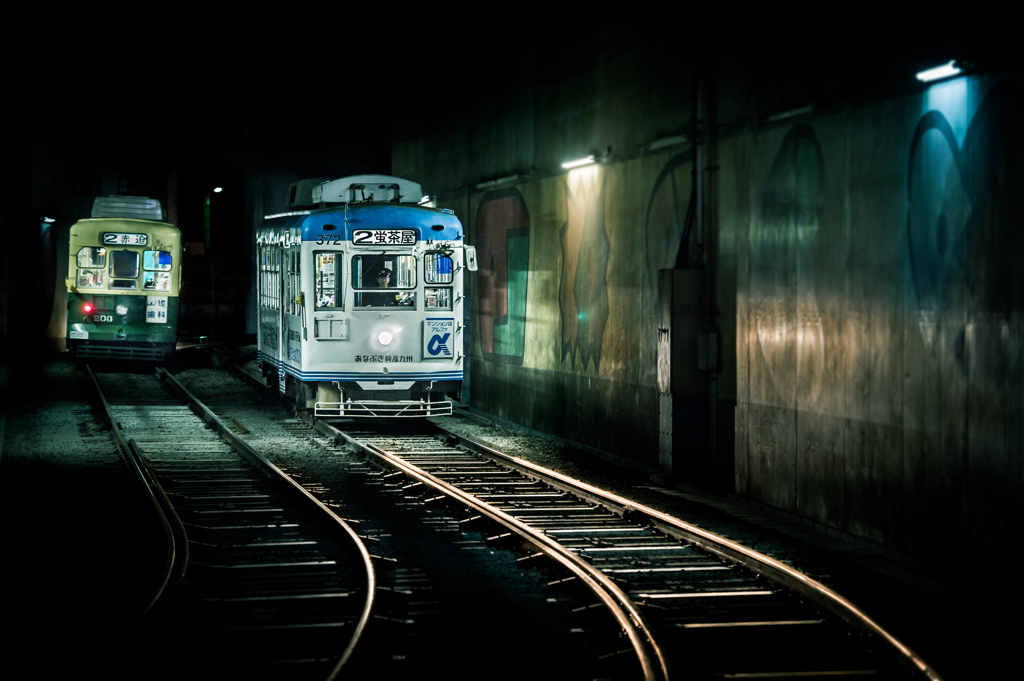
column 685, row 350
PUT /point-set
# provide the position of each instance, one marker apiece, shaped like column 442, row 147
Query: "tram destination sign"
column 122, row 239
column 383, row 237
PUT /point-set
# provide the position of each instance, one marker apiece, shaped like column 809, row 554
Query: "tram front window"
column 389, row 278
column 124, row 269
column 124, row 264
column 325, row 287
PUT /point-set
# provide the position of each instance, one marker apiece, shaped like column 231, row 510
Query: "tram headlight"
column 385, row 338
column 122, row 310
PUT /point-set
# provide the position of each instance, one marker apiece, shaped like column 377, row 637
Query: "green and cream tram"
column 124, row 275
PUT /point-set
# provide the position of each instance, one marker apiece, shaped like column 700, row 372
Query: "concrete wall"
column 863, row 262
column 565, row 323
column 879, row 315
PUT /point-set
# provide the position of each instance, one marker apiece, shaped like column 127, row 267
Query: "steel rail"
column 650, row 656
column 726, row 548
column 176, row 541
column 269, row 469
column 716, row 544
column 179, row 562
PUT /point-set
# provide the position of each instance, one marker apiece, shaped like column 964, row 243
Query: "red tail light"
column 87, row 308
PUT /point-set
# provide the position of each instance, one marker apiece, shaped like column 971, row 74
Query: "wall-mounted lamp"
column 425, row 199
column 939, row 72
column 218, row 190
column 579, row 162
column 48, row 220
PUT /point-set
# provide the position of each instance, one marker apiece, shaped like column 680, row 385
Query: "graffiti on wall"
column 783, row 299
column 583, row 290
column 965, row 233
column 668, row 212
column 503, row 245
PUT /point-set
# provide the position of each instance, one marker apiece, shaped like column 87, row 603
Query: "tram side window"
column 437, row 268
column 156, row 261
column 261, row 265
column 293, row 284
column 260, row 284
column 91, row 263
column 327, row 280
column 270, row 276
column 275, row 278
column 90, row 256
column 156, row 267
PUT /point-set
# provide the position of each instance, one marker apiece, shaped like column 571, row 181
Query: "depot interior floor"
column 69, row 578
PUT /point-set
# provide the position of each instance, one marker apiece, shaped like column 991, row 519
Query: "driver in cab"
column 382, row 299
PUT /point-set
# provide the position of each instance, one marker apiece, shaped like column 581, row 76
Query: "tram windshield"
column 124, row 264
column 390, row 278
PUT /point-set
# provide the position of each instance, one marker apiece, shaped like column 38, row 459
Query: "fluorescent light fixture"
column 218, row 190
column 579, row 162
column 944, row 71
column 286, row 215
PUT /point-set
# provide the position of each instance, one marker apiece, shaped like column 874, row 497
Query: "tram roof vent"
column 359, row 188
column 300, row 194
column 138, row 207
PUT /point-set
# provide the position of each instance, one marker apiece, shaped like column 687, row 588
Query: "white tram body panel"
column 339, row 336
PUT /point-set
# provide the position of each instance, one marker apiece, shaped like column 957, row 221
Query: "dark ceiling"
column 288, row 104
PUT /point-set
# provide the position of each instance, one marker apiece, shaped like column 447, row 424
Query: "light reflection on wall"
column 953, row 99
column 583, row 293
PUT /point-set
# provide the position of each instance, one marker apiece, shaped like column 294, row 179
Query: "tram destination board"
column 386, row 237
column 124, row 239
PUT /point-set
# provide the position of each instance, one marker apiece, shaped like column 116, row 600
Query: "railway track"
column 261, row 579
column 453, row 601
column 693, row 605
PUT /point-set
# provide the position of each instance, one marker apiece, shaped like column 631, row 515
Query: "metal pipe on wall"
column 698, row 165
column 701, row 262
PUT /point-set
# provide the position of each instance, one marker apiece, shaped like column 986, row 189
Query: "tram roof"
column 369, row 215
column 89, row 228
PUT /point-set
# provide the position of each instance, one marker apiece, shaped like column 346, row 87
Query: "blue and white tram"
column 360, row 301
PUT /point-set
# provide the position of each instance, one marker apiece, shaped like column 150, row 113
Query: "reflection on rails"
column 697, row 590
